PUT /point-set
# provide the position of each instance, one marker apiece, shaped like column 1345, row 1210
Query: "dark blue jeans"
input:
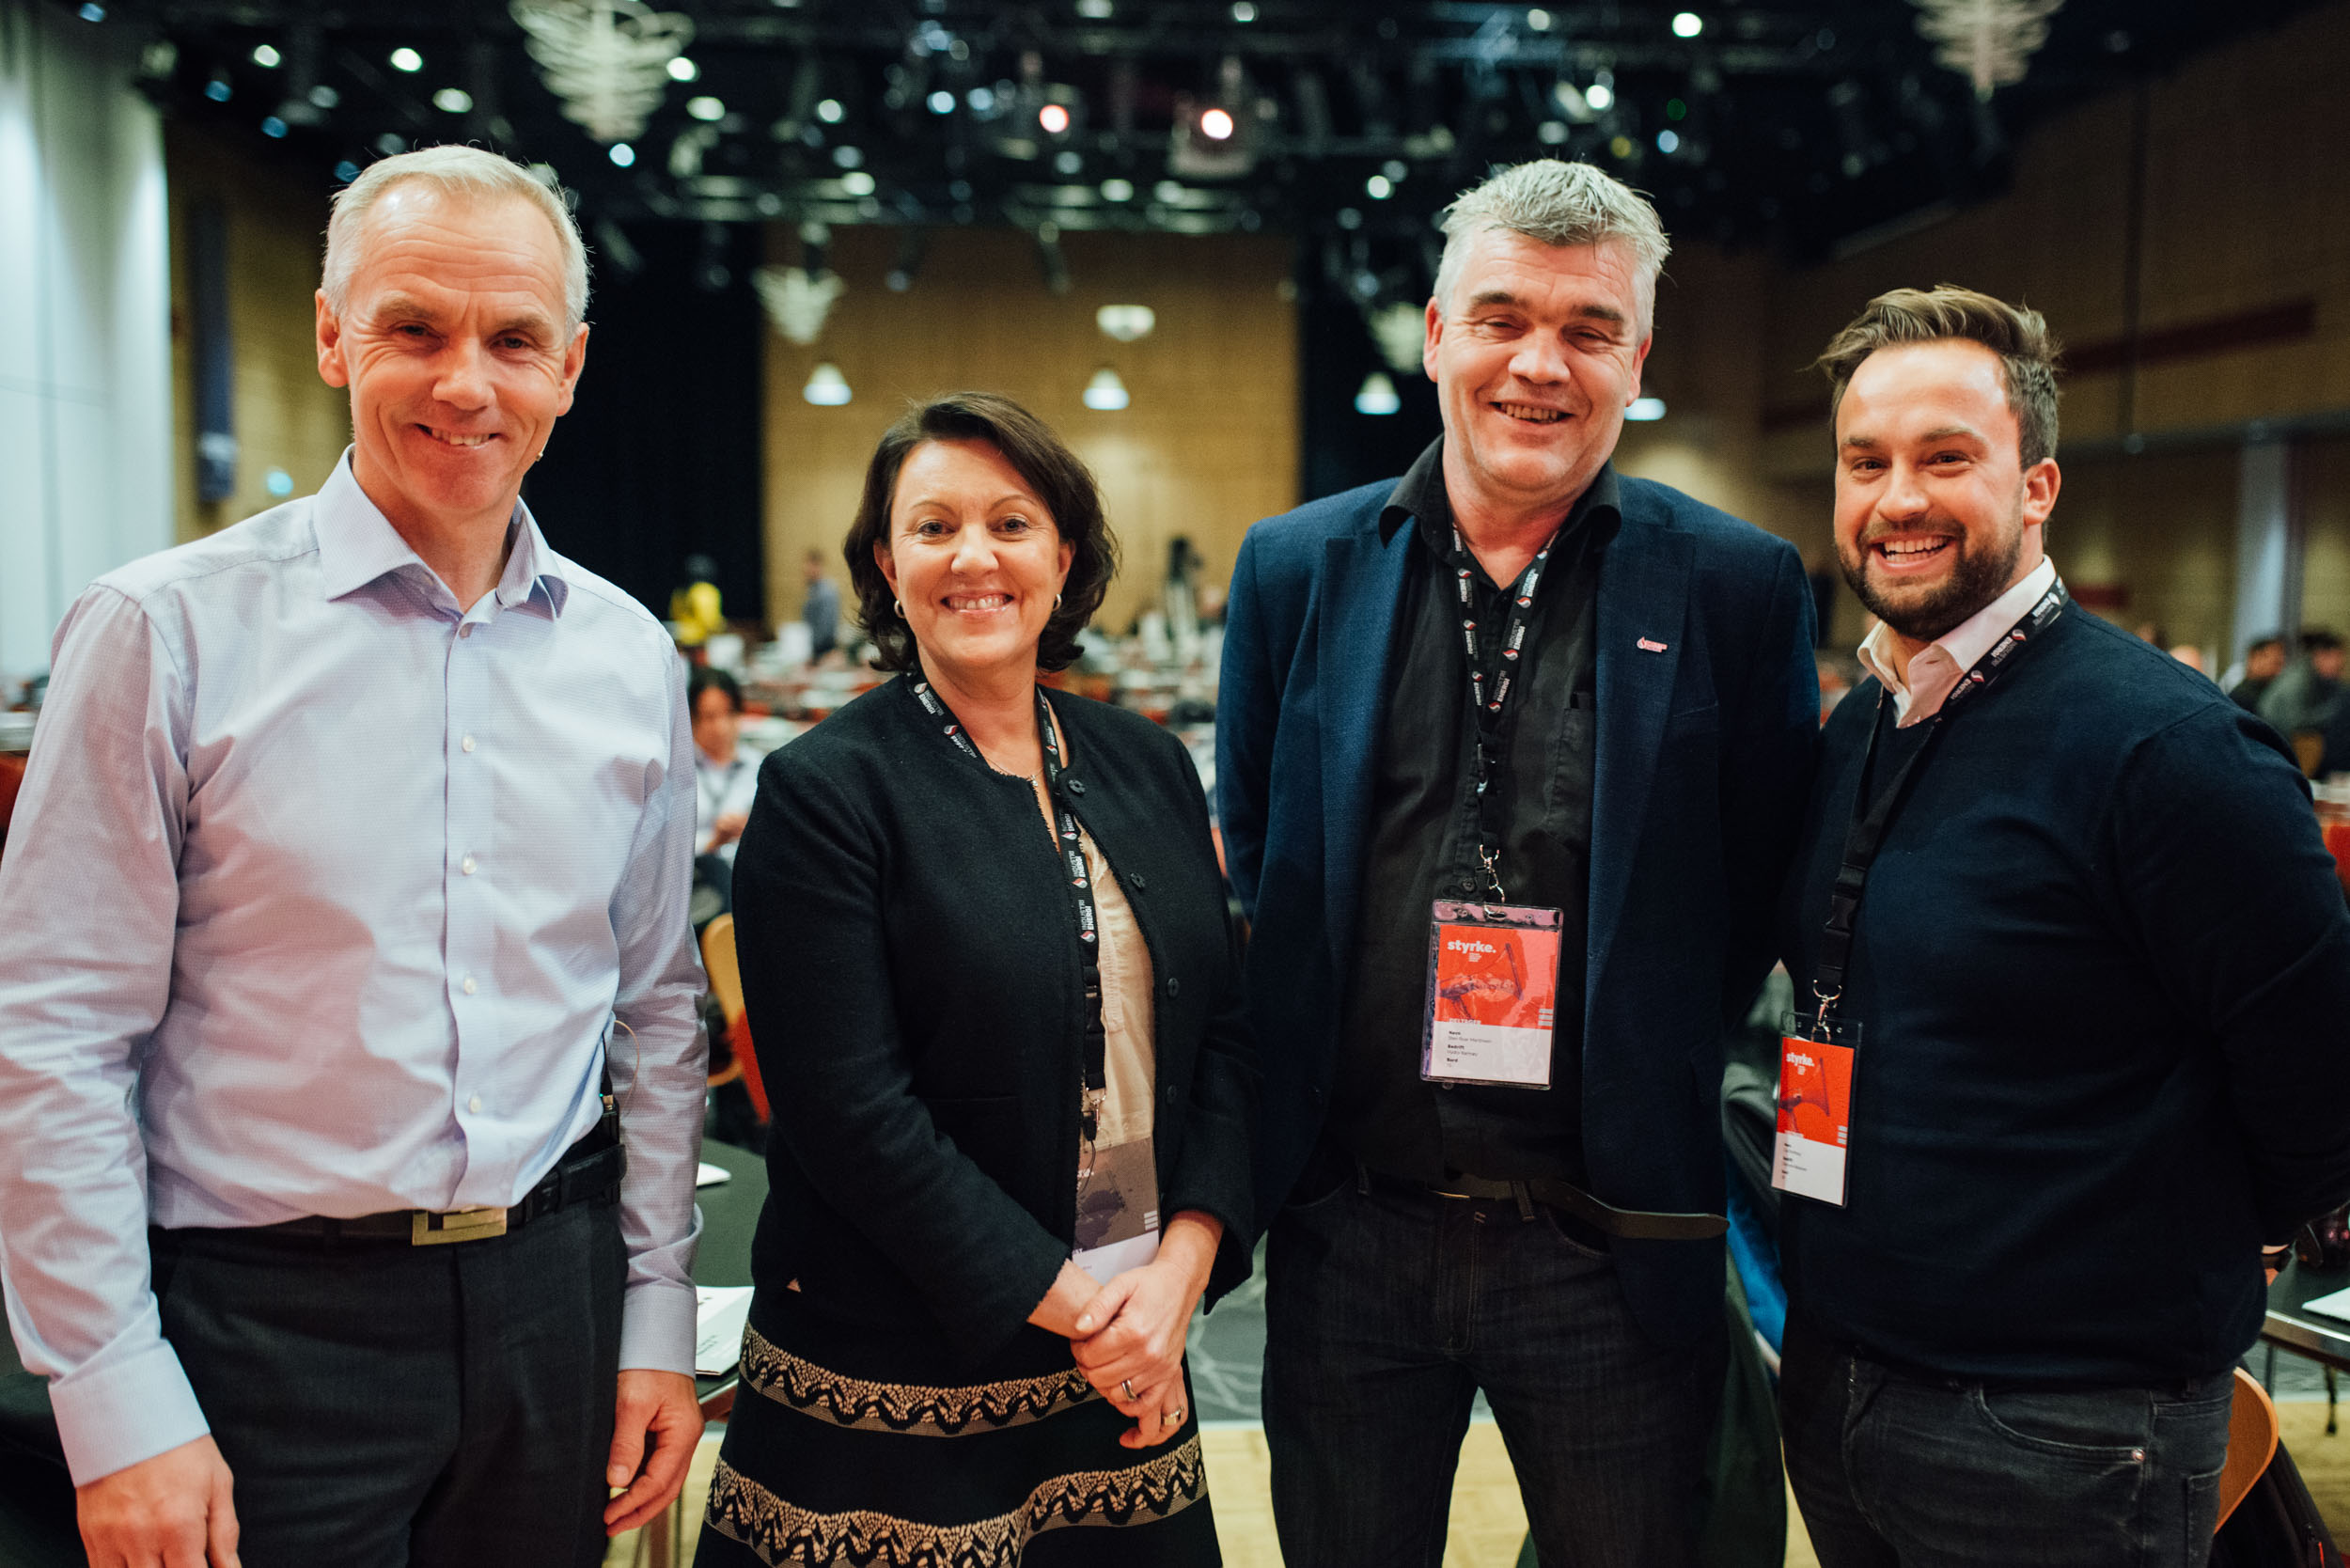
column 1900, row 1471
column 1386, row 1310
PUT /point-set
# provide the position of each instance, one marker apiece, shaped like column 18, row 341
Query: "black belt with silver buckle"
column 1629, row 1224
column 589, row 1173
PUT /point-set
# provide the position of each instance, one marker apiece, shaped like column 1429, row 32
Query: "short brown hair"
column 2019, row 335
column 1061, row 480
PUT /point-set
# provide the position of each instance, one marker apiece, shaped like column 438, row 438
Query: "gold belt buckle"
column 458, row 1225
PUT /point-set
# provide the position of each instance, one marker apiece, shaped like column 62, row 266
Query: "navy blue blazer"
column 1705, row 752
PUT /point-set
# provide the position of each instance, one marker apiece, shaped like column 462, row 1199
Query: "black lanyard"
column 1095, row 1089
column 1869, row 822
column 1491, row 683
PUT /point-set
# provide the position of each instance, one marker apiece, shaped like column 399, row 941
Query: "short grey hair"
column 1557, row 203
column 456, row 171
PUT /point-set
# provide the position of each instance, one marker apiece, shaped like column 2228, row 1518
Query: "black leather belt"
column 1629, row 1224
column 589, row 1173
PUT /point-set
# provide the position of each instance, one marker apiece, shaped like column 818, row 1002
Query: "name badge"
column 1118, row 1209
column 1492, row 994
column 1815, row 1072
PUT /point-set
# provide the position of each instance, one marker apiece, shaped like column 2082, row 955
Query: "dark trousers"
column 1386, row 1310
column 1894, row 1470
column 381, row 1404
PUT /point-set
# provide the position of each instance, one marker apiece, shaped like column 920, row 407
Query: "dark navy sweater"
column 2102, row 973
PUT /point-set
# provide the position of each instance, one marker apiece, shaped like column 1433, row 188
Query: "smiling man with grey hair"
column 1511, row 754
column 362, row 832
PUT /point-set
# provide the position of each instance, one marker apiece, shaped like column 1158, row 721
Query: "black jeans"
column 381, row 1404
column 1900, row 1471
column 1386, row 1310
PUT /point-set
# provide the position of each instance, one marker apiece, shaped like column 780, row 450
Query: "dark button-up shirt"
column 1423, row 837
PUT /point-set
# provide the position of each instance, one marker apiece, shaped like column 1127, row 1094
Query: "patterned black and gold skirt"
column 825, row 1463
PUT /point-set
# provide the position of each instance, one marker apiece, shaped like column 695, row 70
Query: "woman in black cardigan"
column 987, row 963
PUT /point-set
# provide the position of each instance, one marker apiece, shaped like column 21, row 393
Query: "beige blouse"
column 1127, row 1018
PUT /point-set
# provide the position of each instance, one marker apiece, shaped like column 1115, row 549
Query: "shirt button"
column 1136, row 880
column 470, row 987
column 465, row 631
column 466, row 865
column 466, row 743
column 1174, row 986
column 473, row 1105
column 1076, row 786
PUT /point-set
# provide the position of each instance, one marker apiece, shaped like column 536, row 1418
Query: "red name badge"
column 1815, row 1073
column 1493, row 988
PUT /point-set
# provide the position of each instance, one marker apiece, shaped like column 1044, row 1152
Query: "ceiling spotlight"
column 1105, row 392
column 405, row 58
column 1125, row 323
column 1599, row 96
column 345, row 172
column 1537, row 20
column 1117, row 190
column 1645, row 409
column 1377, row 395
column 1216, row 124
column 1620, row 146
column 1244, row 11
column 452, row 101
column 983, row 100
column 324, row 96
column 1667, row 141
column 1054, row 118
column 942, row 102
column 826, row 387
column 93, row 12
column 1069, row 163
column 391, row 143
column 273, row 127
column 217, row 89
column 1094, row 10
column 266, row 55
column 682, row 69
column 829, row 111
column 857, row 182
column 1551, row 132
column 1687, row 24
column 623, row 155
column 1380, row 187
column 706, row 108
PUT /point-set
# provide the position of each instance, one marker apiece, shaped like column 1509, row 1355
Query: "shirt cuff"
column 109, row 1417
column 657, row 1328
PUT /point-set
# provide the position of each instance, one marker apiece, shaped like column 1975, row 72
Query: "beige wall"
column 284, row 416
column 1208, row 445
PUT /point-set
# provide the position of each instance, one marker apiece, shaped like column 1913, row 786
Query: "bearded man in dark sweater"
column 2099, row 969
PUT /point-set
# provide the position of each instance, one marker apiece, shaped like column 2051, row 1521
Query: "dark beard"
column 1972, row 585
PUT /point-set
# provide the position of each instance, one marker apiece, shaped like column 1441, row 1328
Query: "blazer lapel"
column 1362, row 582
column 1643, row 606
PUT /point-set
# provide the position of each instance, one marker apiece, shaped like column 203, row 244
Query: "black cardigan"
column 909, row 966
column 2102, row 971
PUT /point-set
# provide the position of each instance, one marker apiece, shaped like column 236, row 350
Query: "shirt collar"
column 1953, row 653
column 1420, row 495
column 358, row 544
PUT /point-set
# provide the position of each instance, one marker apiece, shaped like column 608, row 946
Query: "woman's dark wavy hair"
column 1061, row 480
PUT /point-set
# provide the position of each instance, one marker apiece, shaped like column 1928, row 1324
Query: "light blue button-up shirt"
column 320, row 899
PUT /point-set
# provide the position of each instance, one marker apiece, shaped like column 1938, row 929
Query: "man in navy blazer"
column 1642, row 721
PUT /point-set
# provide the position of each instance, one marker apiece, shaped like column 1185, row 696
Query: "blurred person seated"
column 695, row 607
column 726, row 777
column 819, row 611
column 2262, row 663
column 2305, row 695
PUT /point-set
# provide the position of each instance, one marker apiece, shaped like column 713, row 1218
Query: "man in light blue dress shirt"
column 353, row 837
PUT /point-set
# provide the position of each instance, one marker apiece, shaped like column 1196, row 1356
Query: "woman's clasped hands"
column 1128, row 1335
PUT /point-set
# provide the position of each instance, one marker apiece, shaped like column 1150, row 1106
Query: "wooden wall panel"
column 1207, row 445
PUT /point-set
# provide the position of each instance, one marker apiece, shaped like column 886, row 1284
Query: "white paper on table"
column 720, row 1313
column 2334, row 1306
column 708, row 1175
